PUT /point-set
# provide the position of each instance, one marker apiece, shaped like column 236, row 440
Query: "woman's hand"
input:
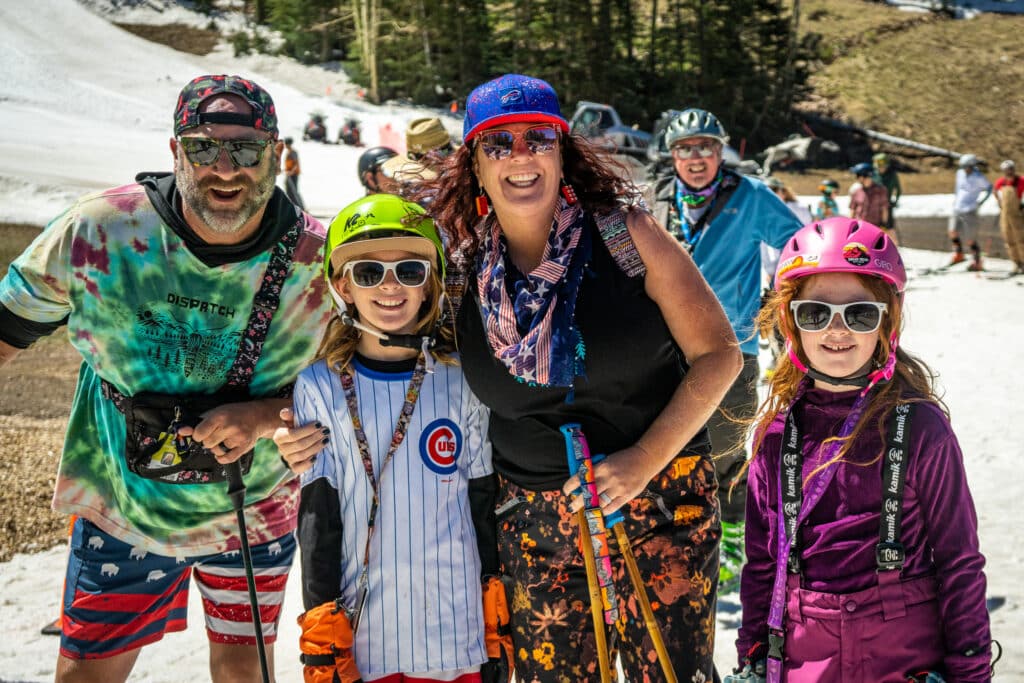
column 299, row 445
column 620, row 478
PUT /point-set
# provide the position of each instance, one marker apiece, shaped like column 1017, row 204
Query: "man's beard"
column 225, row 221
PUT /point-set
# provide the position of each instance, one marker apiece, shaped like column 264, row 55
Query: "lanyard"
column 792, row 462
column 889, row 551
column 411, row 395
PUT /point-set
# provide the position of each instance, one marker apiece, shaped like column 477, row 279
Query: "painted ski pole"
column 236, row 492
column 596, row 558
column 581, row 463
column 615, row 521
column 596, row 610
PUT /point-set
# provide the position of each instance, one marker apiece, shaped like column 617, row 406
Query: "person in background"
column 970, row 191
column 1009, row 190
column 427, row 145
column 886, row 175
column 159, row 285
column 370, row 174
column 827, row 206
column 869, row 201
column 291, row 174
column 783, row 192
column 722, row 218
column 860, row 568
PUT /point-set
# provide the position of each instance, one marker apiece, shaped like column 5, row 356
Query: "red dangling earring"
column 568, row 193
column 482, row 206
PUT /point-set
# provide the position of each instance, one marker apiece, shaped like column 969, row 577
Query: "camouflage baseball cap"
column 201, row 88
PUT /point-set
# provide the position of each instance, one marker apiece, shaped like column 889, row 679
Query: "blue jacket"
column 728, row 251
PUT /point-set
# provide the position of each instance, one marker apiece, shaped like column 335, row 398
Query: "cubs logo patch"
column 441, row 445
column 511, row 97
column 856, row 254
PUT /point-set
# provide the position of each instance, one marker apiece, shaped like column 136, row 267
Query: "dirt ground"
column 37, row 389
column 38, row 386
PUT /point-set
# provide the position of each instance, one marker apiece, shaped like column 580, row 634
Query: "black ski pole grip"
column 236, row 485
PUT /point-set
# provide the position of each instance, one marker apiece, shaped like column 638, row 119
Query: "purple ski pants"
column 877, row 635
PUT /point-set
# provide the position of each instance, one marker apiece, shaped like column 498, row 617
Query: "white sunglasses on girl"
column 368, row 273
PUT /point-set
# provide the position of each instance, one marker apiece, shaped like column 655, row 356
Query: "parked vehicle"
column 602, row 124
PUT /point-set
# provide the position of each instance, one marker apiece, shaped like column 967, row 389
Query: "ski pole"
column 645, row 603
column 579, row 451
column 236, row 492
column 596, row 608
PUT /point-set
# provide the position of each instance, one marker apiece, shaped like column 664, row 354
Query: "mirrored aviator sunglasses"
column 859, row 316
column 498, row 144
column 369, row 273
column 206, row 151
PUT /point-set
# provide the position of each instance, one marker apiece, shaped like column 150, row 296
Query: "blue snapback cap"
column 512, row 98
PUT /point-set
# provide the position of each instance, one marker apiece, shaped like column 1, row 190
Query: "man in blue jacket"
column 722, row 218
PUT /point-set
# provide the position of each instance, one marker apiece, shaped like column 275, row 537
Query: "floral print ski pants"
column 674, row 530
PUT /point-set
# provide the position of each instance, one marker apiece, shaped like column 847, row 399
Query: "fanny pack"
column 152, row 447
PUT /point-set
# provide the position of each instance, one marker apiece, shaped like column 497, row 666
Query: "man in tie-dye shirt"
column 155, row 281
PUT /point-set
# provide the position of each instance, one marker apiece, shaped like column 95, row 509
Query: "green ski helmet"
column 695, row 123
column 378, row 222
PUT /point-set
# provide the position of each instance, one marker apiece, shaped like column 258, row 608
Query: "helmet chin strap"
column 423, row 343
column 867, row 380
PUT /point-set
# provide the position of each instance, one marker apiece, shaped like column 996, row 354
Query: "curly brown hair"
column 912, row 382
column 599, row 181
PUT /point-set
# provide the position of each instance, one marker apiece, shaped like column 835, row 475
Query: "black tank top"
column 632, row 366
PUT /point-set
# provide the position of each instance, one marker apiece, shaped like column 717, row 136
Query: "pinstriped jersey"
column 423, row 610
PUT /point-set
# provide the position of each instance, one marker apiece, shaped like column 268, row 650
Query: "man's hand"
column 299, row 445
column 231, row 430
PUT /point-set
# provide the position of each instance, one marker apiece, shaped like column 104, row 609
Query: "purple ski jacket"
column 939, row 530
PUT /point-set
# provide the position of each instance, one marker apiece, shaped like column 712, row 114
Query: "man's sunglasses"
column 206, row 151
column 369, row 273
column 704, row 150
column 498, row 144
column 858, row 316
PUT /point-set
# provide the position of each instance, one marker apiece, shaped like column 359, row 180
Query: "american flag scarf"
column 532, row 333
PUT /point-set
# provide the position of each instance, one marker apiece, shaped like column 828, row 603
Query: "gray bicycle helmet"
column 695, row 123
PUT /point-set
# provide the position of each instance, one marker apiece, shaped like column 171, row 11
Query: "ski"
column 1003, row 276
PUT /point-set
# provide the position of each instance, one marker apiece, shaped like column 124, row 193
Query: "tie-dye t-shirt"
column 147, row 315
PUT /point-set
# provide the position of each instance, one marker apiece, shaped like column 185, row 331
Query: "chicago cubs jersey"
column 423, row 609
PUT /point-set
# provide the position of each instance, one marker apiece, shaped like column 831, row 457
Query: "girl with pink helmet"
column 862, row 546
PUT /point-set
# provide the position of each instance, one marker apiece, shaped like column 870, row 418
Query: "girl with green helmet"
column 383, row 223
column 396, row 510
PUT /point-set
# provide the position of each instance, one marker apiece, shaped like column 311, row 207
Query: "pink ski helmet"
column 841, row 245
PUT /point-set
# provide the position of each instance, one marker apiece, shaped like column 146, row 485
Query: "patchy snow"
column 85, row 105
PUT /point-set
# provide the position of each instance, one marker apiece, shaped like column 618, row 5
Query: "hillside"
column 951, row 83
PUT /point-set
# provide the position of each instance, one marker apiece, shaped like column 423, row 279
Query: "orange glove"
column 326, row 645
column 497, row 632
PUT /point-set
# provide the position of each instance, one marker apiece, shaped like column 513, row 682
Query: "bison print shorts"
column 118, row 598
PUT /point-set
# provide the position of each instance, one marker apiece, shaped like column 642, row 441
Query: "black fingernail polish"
column 326, row 440
column 318, row 425
column 325, row 431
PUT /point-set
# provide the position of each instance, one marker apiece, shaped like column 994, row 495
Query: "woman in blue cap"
column 580, row 308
